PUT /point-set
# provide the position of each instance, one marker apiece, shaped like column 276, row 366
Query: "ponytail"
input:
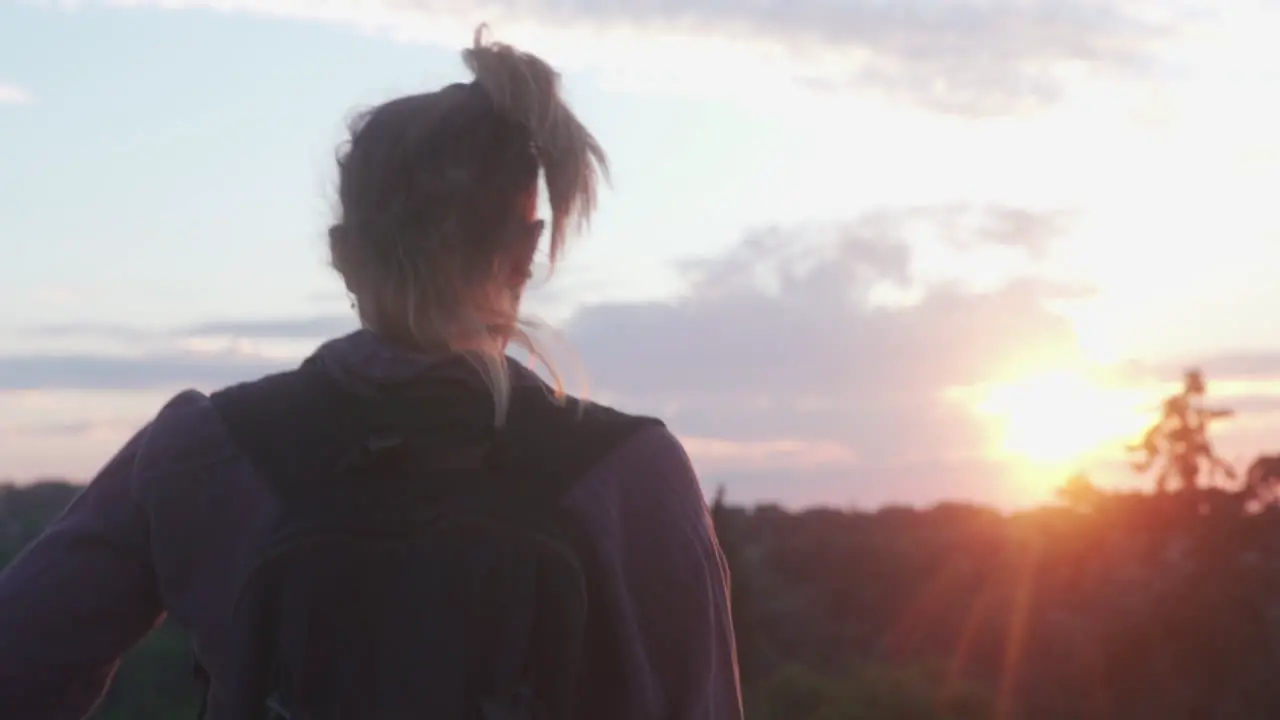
column 526, row 89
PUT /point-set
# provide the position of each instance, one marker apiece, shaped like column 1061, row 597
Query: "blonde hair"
column 432, row 186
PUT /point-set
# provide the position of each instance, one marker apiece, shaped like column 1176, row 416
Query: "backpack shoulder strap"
column 291, row 425
column 564, row 439
column 302, row 424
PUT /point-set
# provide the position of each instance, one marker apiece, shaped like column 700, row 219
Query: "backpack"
column 420, row 566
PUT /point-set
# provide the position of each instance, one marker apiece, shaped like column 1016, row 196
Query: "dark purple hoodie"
column 177, row 512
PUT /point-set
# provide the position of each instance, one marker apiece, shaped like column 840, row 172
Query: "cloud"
column 146, row 372
column 11, row 94
column 1255, row 368
column 315, row 327
column 781, row 368
column 297, row 329
column 774, row 344
column 1243, row 365
column 783, row 454
column 778, row 360
column 187, row 351
column 75, row 430
column 965, row 57
column 779, row 318
column 1033, row 232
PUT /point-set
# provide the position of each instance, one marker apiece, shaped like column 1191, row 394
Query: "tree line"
column 1133, row 606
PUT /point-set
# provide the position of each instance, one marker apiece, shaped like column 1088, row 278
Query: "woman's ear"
column 341, row 257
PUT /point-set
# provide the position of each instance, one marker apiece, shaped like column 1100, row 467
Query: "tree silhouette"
column 1262, row 481
column 1080, row 493
column 1179, row 440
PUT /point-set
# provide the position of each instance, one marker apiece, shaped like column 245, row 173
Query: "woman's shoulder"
column 186, row 431
column 652, row 450
column 647, row 480
column 205, row 504
column 185, row 458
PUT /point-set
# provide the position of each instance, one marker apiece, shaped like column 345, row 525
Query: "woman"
column 435, row 243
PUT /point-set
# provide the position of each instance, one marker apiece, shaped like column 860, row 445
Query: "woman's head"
column 438, row 196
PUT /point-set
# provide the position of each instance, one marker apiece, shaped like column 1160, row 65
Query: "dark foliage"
column 154, row 681
column 1110, row 606
column 1125, row 606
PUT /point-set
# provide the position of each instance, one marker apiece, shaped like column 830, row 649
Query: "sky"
column 855, row 253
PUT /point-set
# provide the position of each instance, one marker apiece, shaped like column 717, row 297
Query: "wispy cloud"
column 965, row 57
column 11, row 94
column 148, row 372
column 720, row 455
column 73, row 430
column 774, row 363
column 304, row 328
column 775, row 358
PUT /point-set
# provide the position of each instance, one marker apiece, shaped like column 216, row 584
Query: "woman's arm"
column 666, row 581
column 77, row 598
column 681, row 582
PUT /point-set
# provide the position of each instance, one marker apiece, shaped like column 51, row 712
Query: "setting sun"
column 1060, row 416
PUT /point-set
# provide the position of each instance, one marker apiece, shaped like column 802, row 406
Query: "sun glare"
column 1060, row 417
